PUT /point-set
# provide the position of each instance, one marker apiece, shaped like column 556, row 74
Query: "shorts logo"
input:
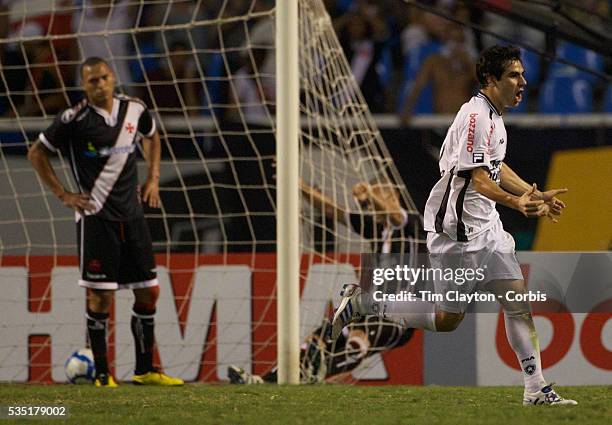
column 471, row 132
column 530, row 370
column 478, row 158
column 94, row 266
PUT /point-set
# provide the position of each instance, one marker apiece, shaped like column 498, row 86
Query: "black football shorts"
column 115, row 254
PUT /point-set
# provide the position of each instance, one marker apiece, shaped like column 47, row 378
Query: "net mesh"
column 206, row 71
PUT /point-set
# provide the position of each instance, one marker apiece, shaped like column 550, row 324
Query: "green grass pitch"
column 315, row 404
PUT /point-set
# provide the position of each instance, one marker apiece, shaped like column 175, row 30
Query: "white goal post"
column 287, row 220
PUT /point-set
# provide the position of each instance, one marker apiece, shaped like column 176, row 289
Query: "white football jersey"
column 476, row 138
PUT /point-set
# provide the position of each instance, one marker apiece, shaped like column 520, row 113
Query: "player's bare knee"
column 448, row 322
column 148, row 296
column 99, row 300
column 511, row 305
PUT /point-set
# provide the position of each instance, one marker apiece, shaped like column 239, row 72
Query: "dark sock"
column 143, row 326
column 96, row 330
column 272, row 376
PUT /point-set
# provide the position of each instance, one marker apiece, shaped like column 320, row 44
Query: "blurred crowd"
column 406, row 61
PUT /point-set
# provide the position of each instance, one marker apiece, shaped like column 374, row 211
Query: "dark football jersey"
column 384, row 237
column 101, row 150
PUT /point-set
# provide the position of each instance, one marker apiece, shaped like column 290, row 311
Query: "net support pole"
column 287, row 213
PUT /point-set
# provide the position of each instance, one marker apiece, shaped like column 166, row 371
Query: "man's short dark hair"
column 494, row 60
column 92, row 61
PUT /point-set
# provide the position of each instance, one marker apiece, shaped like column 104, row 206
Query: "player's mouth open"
column 519, row 95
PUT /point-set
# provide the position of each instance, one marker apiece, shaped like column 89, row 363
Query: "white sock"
column 523, row 339
column 416, row 314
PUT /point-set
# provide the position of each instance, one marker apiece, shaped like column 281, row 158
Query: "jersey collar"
column 481, row 95
column 110, row 120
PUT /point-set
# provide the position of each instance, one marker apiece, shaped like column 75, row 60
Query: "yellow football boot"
column 104, row 380
column 156, row 378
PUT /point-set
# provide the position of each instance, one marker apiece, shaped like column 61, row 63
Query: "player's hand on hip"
column 80, row 202
column 150, row 193
column 529, row 206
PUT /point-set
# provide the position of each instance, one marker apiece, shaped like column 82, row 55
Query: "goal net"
column 206, row 71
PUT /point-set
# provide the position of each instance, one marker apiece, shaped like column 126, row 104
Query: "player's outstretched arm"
column 512, row 182
column 524, row 203
column 384, row 202
column 152, row 152
column 322, row 203
column 39, row 157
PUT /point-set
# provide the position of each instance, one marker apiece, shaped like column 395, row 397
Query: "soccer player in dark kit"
column 99, row 136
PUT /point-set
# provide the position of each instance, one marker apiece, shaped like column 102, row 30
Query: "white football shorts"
column 490, row 256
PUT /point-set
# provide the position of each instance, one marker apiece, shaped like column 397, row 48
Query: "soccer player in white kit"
column 462, row 222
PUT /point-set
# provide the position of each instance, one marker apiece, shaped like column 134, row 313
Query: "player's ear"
column 491, row 80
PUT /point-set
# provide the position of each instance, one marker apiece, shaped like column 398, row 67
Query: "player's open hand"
column 551, row 214
column 555, row 205
column 361, row 192
column 531, row 207
column 150, row 193
column 80, row 202
column 550, row 197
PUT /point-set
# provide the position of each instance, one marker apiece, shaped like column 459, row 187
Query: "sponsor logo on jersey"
column 92, row 152
column 471, row 132
column 494, row 170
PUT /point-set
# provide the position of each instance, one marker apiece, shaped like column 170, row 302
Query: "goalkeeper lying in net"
column 377, row 214
column 320, row 358
column 378, row 217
